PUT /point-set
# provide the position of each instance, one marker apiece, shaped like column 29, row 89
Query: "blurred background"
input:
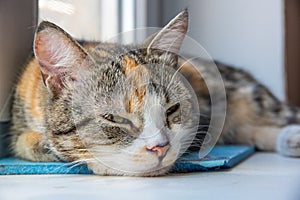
column 245, row 33
column 260, row 36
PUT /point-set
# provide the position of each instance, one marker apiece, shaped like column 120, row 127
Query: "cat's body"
column 125, row 110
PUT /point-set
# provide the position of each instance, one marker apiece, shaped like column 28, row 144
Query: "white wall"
column 244, row 33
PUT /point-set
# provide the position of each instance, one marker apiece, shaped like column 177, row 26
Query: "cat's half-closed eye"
column 117, row 119
column 173, row 115
column 172, row 109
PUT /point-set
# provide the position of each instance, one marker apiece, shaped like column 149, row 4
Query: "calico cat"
column 128, row 109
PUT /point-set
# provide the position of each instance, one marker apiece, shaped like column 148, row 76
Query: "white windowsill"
column 262, row 176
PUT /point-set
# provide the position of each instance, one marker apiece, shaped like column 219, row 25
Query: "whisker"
column 68, row 165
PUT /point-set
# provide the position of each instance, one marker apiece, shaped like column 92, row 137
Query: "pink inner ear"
column 48, row 48
column 56, row 50
column 59, row 56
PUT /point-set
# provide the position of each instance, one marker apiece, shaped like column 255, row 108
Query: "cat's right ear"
column 170, row 38
column 58, row 54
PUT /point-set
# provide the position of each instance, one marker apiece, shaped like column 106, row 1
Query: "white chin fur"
column 100, row 169
column 288, row 141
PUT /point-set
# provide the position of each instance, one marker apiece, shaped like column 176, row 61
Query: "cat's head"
column 122, row 109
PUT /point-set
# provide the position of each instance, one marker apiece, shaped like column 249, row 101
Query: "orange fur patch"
column 137, row 76
column 130, row 106
column 140, row 93
column 136, row 100
column 32, row 138
column 28, row 88
column 128, row 64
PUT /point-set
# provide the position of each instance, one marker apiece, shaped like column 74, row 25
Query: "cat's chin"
column 143, row 163
column 100, row 169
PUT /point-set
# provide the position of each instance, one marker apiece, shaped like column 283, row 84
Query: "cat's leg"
column 262, row 137
column 33, row 146
column 257, row 117
column 285, row 140
column 26, row 143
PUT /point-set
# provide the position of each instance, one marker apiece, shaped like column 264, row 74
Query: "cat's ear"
column 59, row 56
column 170, row 38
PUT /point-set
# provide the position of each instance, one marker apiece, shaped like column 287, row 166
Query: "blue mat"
column 221, row 157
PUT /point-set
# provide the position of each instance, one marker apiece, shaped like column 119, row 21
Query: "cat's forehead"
column 112, row 51
column 126, row 74
column 107, row 52
column 126, row 58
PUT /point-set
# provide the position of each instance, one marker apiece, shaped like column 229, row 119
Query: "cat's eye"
column 173, row 116
column 172, row 109
column 116, row 119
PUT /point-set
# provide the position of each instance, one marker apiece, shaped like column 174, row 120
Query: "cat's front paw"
column 288, row 141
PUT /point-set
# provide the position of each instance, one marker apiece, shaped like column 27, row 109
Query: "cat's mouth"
column 160, row 151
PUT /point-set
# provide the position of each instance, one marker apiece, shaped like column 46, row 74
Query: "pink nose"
column 160, row 150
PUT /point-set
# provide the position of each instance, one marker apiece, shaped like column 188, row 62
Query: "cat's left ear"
column 60, row 57
column 170, row 38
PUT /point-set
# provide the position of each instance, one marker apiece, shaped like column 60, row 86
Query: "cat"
column 128, row 109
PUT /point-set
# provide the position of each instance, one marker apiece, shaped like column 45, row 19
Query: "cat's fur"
column 125, row 110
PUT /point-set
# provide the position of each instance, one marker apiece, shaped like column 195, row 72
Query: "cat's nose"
column 160, row 150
